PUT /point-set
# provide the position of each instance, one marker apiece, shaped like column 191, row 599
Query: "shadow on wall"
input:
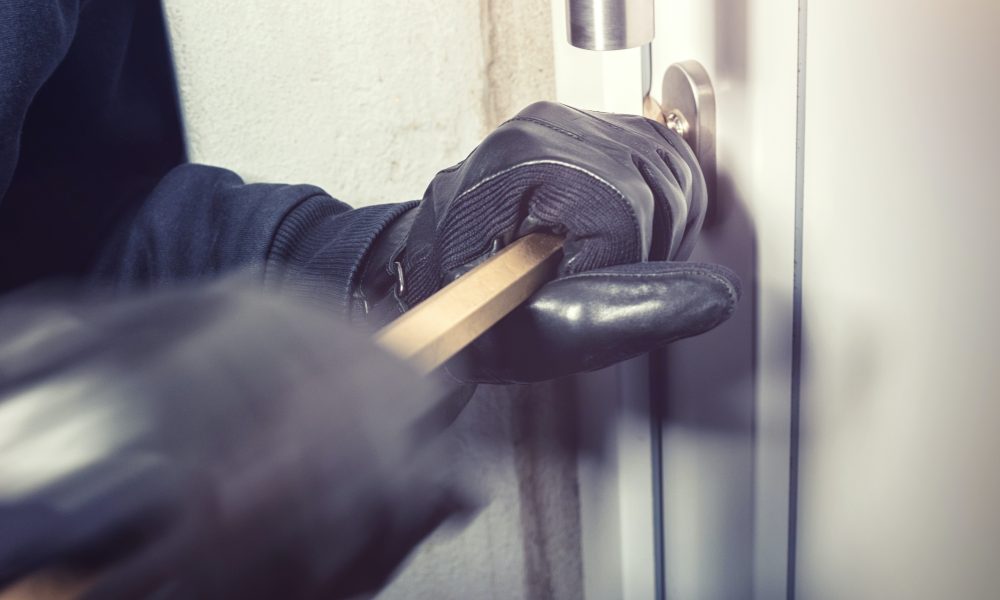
column 704, row 388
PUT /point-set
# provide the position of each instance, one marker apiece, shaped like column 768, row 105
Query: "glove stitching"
column 455, row 167
column 656, row 128
column 605, row 122
column 546, row 124
column 621, row 196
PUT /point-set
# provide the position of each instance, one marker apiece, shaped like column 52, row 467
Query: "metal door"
column 835, row 439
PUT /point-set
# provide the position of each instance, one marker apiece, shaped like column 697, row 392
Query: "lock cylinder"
column 609, row 24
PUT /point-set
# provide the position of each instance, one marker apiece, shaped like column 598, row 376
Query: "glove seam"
column 544, row 123
column 670, row 142
column 604, row 121
column 598, row 178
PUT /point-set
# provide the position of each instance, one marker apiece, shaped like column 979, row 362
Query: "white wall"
column 366, row 98
column 899, row 135
column 899, row 479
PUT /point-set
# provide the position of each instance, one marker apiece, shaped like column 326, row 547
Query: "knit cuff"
column 316, row 253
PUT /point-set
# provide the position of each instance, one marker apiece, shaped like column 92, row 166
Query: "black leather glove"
column 211, row 444
column 628, row 195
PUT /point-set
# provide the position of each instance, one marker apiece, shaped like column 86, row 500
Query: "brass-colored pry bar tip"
column 441, row 326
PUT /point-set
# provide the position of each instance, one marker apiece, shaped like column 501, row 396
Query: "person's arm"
column 626, row 193
column 212, row 442
column 201, row 222
column 89, row 124
column 35, row 36
column 94, row 197
column 90, row 140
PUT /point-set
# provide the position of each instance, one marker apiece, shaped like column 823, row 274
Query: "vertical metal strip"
column 796, row 374
column 656, row 447
column 655, row 413
column 647, row 69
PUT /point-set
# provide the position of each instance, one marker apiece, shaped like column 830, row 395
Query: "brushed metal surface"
column 688, row 108
column 609, row 24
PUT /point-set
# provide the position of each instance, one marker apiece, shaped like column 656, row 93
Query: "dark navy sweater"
column 93, row 175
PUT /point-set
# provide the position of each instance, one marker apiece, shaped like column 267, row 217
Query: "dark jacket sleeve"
column 89, row 123
column 203, row 222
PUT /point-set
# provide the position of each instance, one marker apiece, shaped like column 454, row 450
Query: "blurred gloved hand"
column 211, row 444
column 630, row 198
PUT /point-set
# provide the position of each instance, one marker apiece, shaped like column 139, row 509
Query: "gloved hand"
column 630, row 198
column 211, row 444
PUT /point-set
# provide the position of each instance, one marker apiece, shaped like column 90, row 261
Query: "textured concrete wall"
column 366, row 98
column 517, row 448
